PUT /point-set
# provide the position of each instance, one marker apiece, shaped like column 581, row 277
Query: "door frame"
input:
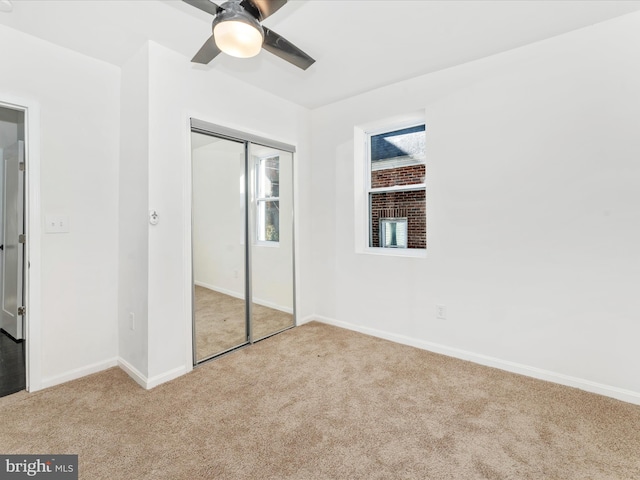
column 13, row 258
column 33, row 231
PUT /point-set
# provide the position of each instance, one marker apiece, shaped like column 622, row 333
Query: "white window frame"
column 367, row 133
column 259, row 220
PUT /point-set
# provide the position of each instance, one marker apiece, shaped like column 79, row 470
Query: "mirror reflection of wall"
column 242, row 214
column 218, row 246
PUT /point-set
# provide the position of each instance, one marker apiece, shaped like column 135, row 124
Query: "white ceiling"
column 358, row 45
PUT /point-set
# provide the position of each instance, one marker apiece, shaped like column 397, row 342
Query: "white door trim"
column 33, row 230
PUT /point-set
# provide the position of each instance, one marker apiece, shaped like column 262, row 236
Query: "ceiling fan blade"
column 207, row 52
column 266, row 8
column 204, row 5
column 286, row 50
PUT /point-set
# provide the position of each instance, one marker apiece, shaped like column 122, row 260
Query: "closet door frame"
column 219, row 131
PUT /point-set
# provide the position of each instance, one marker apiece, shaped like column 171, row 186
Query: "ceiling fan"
column 237, row 31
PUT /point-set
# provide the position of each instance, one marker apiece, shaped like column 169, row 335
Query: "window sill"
column 267, row 244
column 395, row 252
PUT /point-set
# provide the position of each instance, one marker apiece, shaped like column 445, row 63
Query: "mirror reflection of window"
column 272, row 241
column 268, row 199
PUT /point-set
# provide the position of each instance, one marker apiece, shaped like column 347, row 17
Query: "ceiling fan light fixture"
column 238, row 39
column 237, row 33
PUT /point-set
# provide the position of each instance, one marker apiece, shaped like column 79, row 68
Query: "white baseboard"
column 231, row 293
column 166, row 376
column 310, row 318
column 264, row 303
column 614, row 392
column 133, row 372
column 149, row 383
column 273, row 306
column 78, row 373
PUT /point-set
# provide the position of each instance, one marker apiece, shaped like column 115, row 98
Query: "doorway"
column 12, row 257
column 242, row 239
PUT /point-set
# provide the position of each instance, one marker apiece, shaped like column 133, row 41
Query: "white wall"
column 532, row 210
column 133, row 238
column 78, row 100
column 179, row 90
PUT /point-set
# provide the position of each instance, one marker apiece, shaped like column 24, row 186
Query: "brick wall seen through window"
column 397, row 184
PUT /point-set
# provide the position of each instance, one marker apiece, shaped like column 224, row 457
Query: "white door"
column 13, row 241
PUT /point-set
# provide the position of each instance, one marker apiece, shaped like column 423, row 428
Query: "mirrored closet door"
column 272, row 240
column 219, row 301
column 242, row 239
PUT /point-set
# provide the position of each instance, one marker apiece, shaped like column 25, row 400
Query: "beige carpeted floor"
column 220, row 322
column 319, row 402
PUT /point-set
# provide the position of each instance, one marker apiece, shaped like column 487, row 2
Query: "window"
column 393, row 232
column 268, row 199
column 396, row 188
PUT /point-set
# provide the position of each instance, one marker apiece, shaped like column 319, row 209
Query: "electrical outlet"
column 235, row 274
column 132, row 321
column 441, row 312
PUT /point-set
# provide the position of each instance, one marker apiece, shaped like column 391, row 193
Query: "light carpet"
column 220, row 322
column 320, row 402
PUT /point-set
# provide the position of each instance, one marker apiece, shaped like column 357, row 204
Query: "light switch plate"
column 56, row 223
